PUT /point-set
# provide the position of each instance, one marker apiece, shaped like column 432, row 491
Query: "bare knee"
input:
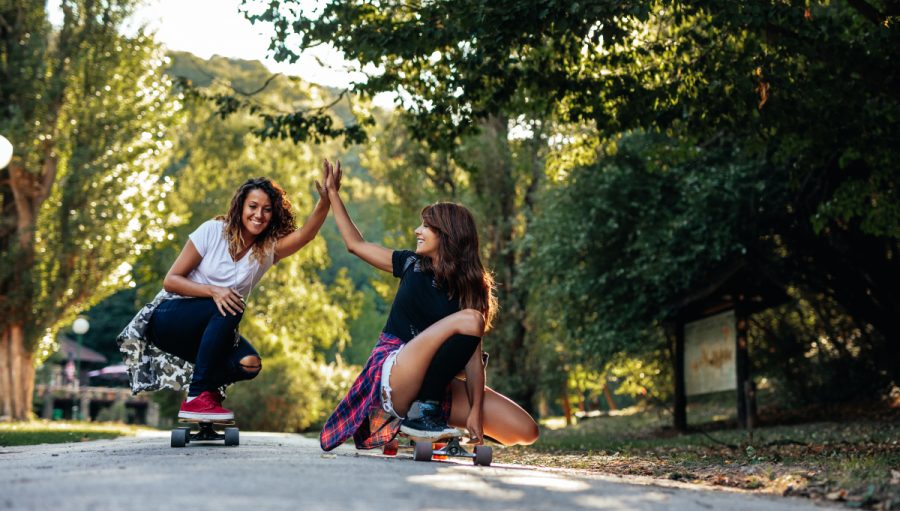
column 524, row 433
column 529, row 433
column 251, row 365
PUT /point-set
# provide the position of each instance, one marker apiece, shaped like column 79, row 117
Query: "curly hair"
column 281, row 224
column 459, row 266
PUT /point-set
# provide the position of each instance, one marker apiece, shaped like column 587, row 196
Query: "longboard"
column 206, row 432
column 424, row 449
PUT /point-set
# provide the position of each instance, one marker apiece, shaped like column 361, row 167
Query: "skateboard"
column 182, row 435
column 424, row 449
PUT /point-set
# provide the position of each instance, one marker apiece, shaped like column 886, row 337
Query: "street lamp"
column 80, row 327
column 6, row 152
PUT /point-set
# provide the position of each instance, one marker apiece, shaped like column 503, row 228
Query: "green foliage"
column 647, row 378
column 292, row 393
column 107, row 319
column 115, row 413
column 89, row 112
column 617, row 246
column 805, row 89
column 297, row 122
column 365, row 327
column 812, row 351
column 455, row 62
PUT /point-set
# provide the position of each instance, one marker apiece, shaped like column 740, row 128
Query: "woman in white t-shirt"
column 190, row 331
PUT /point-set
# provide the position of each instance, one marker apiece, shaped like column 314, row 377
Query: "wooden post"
column 47, row 410
column 680, row 413
column 567, row 406
column 742, row 362
column 609, row 398
column 750, row 403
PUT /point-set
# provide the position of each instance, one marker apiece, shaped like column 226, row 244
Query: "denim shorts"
column 386, row 404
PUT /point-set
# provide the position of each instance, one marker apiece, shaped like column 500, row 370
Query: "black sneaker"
column 424, row 421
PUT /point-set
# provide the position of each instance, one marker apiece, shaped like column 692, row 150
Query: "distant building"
column 99, row 391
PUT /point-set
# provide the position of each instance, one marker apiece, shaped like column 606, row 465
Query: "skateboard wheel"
column 391, row 448
column 423, row 451
column 484, row 454
column 232, row 436
column 179, row 437
column 187, row 434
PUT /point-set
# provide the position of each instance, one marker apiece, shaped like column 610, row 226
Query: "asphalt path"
column 290, row 472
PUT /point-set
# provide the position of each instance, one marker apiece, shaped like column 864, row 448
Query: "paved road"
column 290, row 472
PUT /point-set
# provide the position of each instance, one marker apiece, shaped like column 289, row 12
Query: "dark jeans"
column 195, row 330
column 450, row 359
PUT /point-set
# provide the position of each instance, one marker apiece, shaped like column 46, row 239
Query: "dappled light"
column 689, row 213
column 474, row 484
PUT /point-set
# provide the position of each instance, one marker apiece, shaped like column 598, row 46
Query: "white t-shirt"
column 218, row 268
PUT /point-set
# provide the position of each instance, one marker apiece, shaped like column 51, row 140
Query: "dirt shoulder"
column 849, row 455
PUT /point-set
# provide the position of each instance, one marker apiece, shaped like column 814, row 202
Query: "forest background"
column 615, row 154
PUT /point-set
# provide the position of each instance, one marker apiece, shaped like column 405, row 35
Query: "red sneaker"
column 204, row 407
column 217, row 396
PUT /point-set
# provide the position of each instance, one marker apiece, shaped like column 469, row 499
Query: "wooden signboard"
column 709, row 354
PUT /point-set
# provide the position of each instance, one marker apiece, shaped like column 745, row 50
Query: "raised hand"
column 322, row 183
column 336, row 175
column 333, row 181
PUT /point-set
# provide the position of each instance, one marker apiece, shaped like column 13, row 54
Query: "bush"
column 292, row 393
column 815, row 353
column 114, row 413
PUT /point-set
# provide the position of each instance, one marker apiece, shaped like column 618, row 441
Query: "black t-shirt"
column 419, row 302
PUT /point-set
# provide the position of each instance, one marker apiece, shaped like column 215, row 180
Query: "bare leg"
column 415, row 357
column 504, row 420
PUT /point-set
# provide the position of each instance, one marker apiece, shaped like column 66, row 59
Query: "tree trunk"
column 498, row 187
column 29, row 192
column 567, row 406
column 610, row 402
column 5, row 376
column 21, row 373
column 18, row 374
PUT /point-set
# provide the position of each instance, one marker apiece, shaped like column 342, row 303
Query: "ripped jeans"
column 195, row 330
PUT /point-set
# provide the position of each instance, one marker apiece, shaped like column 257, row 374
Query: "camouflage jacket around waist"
column 150, row 368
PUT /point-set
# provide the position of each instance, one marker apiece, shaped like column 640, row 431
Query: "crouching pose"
column 188, row 336
column 425, row 375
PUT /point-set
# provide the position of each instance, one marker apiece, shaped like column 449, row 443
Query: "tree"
column 88, row 111
column 804, row 92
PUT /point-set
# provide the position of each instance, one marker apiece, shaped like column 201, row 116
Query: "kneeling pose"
column 188, row 336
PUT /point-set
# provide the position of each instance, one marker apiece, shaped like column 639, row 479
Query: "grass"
column 848, row 454
column 54, row 432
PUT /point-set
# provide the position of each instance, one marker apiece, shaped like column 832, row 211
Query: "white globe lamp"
column 81, row 326
column 6, row 151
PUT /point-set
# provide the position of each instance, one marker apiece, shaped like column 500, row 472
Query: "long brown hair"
column 281, row 224
column 459, row 267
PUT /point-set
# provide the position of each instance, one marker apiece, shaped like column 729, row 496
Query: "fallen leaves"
column 847, row 455
column 836, row 495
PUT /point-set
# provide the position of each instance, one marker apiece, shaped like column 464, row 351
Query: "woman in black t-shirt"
column 443, row 305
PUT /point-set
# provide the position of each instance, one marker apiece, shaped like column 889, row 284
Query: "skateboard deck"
column 206, row 432
column 425, row 449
